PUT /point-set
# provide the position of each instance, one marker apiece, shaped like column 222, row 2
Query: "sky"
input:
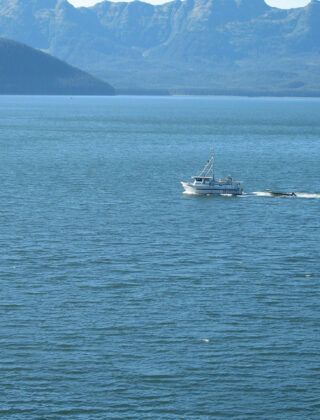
column 285, row 4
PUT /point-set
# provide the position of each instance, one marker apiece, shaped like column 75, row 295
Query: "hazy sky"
column 277, row 3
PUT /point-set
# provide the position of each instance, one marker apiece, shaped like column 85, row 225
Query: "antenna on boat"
column 212, row 163
column 208, row 170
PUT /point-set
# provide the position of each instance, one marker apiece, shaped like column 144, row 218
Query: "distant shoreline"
column 160, row 93
column 215, row 92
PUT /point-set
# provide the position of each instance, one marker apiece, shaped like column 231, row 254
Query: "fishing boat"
column 205, row 183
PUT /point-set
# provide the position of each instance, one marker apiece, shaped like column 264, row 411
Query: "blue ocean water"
column 121, row 297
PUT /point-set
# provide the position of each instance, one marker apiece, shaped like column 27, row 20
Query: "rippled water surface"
column 121, row 297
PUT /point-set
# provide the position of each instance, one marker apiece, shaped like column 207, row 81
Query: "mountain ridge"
column 27, row 71
column 178, row 46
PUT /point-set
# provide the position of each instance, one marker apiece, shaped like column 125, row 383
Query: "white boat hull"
column 211, row 189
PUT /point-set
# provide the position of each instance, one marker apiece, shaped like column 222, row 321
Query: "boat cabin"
column 202, row 179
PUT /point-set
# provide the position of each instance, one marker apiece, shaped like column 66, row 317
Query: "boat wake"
column 270, row 194
column 286, row 195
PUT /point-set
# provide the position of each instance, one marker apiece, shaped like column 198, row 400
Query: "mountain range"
column 27, row 71
column 190, row 46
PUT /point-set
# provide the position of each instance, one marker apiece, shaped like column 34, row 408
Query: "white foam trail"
column 297, row 195
column 262, row 193
column 259, row 194
column 307, row 195
column 189, row 193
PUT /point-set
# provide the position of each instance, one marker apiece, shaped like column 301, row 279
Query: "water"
column 121, row 297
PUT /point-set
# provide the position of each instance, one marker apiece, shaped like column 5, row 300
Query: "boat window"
column 198, row 179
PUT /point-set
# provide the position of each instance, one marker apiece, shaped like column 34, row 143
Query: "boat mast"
column 208, row 170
